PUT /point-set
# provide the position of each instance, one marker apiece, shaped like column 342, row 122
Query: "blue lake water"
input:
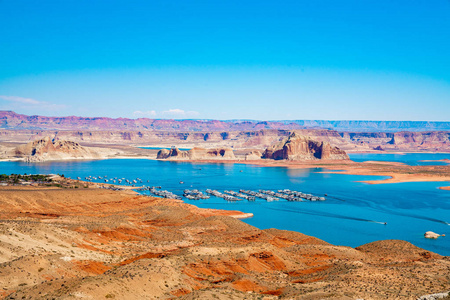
column 352, row 215
column 412, row 159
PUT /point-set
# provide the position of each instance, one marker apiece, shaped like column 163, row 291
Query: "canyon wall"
column 401, row 141
column 259, row 139
column 235, row 139
column 215, row 134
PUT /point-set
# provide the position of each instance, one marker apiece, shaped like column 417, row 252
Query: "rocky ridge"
column 196, row 153
column 46, row 149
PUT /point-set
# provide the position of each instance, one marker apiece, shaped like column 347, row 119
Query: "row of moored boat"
column 228, row 195
column 113, row 180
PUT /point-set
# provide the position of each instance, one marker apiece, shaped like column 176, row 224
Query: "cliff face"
column 245, row 139
column 421, row 138
column 403, row 141
column 47, row 149
column 225, row 139
column 299, row 147
column 196, row 154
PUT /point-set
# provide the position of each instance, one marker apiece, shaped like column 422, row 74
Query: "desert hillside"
column 92, row 243
column 48, row 149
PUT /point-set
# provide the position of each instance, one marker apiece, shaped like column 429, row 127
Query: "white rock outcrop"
column 432, row 235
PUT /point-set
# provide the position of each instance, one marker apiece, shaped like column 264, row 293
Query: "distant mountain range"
column 12, row 120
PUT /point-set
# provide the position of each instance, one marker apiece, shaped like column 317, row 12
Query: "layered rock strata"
column 196, row 154
column 49, row 149
column 299, row 147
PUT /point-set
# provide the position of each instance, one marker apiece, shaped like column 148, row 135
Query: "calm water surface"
column 353, row 214
column 412, row 159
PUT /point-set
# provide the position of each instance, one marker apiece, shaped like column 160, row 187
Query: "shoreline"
column 400, row 173
column 343, row 167
column 78, row 159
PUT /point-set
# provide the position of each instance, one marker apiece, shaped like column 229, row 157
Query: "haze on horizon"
column 261, row 60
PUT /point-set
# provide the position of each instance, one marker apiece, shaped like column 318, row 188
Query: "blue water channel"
column 353, row 214
column 411, row 159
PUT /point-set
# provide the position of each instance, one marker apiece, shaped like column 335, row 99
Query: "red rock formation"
column 196, row 154
column 235, row 134
column 48, row 149
column 253, row 155
column 172, row 153
column 299, row 147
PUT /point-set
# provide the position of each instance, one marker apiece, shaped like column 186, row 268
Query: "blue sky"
column 267, row 60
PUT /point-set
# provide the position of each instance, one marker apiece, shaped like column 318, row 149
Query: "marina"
column 222, row 195
column 352, row 214
column 157, row 191
column 194, row 195
column 228, row 195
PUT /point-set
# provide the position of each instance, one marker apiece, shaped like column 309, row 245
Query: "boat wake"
column 413, row 216
column 329, row 215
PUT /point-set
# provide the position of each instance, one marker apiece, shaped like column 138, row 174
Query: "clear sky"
column 265, row 60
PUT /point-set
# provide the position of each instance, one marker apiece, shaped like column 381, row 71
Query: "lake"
column 353, row 214
column 412, row 159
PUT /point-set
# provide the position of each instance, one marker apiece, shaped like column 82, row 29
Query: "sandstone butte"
column 294, row 147
column 299, row 147
column 95, row 243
